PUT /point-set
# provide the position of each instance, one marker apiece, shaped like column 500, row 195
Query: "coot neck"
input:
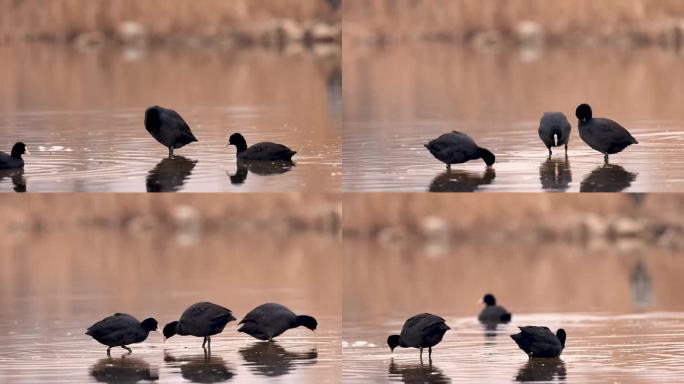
column 241, row 146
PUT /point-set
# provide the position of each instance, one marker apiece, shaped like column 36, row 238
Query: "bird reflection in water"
column 542, row 370
column 201, row 368
column 461, row 181
column 608, row 178
column 418, row 373
column 640, row 286
column 170, row 174
column 123, row 370
column 261, row 168
column 17, row 177
column 271, row 360
column 555, row 175
column 490, row 332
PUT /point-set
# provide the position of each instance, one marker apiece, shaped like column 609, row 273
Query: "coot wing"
column 538, row 341
column 172, row 118
column 268, row 151
column 114, row 329
column 419, row 328
column 268, row 320
column 204, row 318
column 606, row 135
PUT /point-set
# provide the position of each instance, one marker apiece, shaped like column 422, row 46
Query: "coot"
column 202, row 320
column 14, row 160
column 603, row 135
column 120, row 330
column 493, row 313
column 270, row 320
column 540, row 341
column 456, row 148
column 168, row 128
column 260, row 151
column 420, row 331
column 554, row 130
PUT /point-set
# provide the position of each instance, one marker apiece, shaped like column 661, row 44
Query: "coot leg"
column 109, row 351
column 204, row 342
column 605, row 158
column 128, row 349
column 170, row 152
column 566, row 149
column 430, row 354
column 209, row 343
column 421, row 354
column 550, row 153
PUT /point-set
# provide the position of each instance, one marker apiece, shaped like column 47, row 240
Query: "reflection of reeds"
column 528, row 218
column 65, row 20
column 191, row 214
column 640, row 21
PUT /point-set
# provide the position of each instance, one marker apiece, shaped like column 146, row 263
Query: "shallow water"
column 399, row 98
column 81, row 114
column 53, row 290
column 620, row 306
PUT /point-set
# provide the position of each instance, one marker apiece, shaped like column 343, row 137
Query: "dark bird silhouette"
column 603, row 135
column 554, row 130
column 14, row 159
column 168, row 128
column 555, row 174
column 456, row 148
column 120, row 330
column 607, row 178
column 202, row 320
column 123, row 370
column 170, row 174
column 461, row 181
column 272, row 360
column 264, row 151
column 270, row 320
column 421, row 331
column 493, row 313
column 540, row 341
column 17, row 177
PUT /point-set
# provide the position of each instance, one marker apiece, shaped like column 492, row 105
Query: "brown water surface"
column 56, row 284
column 619, row 303
column 400, row 97
column 81, row 114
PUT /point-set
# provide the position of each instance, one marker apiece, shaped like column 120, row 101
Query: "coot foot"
column 109, row 351
column 128, row 349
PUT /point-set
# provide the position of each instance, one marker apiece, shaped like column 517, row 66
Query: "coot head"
column 487, row 156
column 560, row 334
column 169, row 329
column 583, row 112
column 393, row 342
column 19, row 149
column 152, row 118
column 149, row 325
column 489, row 299
column 238, row 141
column 307, row 321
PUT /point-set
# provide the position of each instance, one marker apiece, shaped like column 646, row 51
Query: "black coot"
column 493, row 313
column 121, row 330
column 202, row 320
column 260, row 151
column 540, row 341
column 554, row 130
column 456, row 148
column 603, row 135
column 168, row 128
column 270, row 320
column 420, row 331
column 14, row 160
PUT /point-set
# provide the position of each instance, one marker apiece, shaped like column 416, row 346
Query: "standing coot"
column 270, row 320
column 540, row 341
column 260, row 151
column 14, row 160
column 202, row 320
column 603, row 135
column 554, row 130
column 168, row 128
column 420, row 331
column 456, row 148
column 493, row 313
column 120, row 330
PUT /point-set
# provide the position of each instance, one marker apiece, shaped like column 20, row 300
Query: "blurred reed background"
column 234, row 21
column 403, row 219
column 139, row 214
column 518, row 21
